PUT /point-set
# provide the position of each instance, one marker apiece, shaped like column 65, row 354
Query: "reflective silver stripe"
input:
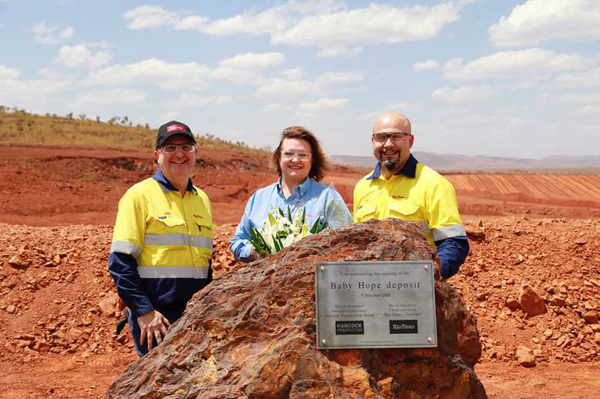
column 178, row 239
column 173, row 272
column 126, row 248
column 456, row 230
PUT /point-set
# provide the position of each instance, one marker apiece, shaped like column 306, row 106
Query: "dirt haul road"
column 58, row 307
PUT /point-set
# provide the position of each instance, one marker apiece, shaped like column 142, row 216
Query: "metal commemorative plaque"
column 375, row 305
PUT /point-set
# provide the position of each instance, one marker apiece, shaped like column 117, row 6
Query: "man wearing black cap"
column 162, row 241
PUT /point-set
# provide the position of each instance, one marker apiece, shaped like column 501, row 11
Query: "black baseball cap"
column 171, row 129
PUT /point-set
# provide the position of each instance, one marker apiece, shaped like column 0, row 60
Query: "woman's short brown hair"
column 319, row 166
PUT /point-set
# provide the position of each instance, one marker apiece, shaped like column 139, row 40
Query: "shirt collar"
column 300, row 189
column 166, row 185
column 409, row 169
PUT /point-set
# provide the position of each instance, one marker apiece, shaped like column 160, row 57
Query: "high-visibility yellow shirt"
column 426, row 198
column 169, row 235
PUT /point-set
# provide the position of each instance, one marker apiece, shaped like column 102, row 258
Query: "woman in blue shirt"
column 301, row 164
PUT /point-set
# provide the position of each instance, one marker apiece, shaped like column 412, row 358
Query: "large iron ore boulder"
column 251, row 334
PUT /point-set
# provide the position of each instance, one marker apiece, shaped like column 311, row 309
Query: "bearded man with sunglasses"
column 401, row 187
column 162, row 241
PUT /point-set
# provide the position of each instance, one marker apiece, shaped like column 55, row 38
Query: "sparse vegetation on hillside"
column 23, row 128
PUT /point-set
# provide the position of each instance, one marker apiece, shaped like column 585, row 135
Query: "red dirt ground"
column 58, row 307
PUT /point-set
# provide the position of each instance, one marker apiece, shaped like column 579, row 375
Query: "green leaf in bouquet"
column 319, row 226
column 290, row 215
column 303, row 215
column 276, row 244
column 281, row 213
column 258, row 241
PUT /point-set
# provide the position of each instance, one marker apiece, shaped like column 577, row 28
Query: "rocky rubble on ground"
column 535, row 287
column 56, row 297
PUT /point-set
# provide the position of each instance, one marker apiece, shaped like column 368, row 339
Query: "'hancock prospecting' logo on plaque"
column 349, row 327
column 404, row 327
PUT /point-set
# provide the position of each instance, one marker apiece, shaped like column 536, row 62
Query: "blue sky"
column 476, row 77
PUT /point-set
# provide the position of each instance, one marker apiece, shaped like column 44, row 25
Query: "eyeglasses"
column 395, row 137
column 171, row 148
column 302, row 156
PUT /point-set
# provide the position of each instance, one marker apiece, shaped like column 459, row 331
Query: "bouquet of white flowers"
column 281, row 230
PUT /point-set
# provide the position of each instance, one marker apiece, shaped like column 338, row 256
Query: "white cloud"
column 373, row 25
column 590, row 78
column 276, row 108
column 370, row 115
column 426, row 65
column 462, row 94
column 253, row 60
column 169, row 115
column 245, row 68
column 515, row 122
column 330, row 52
column 328, row 25
column 148, row 17
column 170, row 76
column 271, row 21
column 290, row 87
column 8, row 73
column 592, row 110
column 110, row 97
column 46, row 34
column 513, row 64
column 536, row 21
column 293, row 73
column 194, row 22
column 249, row 23
column 50, row 74
column 401, row 107
column 30, row 93
column 581, row 98
column 588, row 103
column 194, row 100
column 80, row 55
column 323, row 104
column 242, row 68
column 340, row 77
column 283, row 87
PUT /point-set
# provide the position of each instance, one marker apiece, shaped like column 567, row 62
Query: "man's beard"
column 390, row 165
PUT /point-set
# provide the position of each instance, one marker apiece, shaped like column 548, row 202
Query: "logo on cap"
column 175, row 127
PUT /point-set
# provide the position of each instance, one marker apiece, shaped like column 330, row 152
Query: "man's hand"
column 153, row 326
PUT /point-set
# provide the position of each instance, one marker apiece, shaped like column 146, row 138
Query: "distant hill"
column 457, row 163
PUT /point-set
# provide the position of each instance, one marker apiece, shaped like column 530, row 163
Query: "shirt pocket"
column 205, row 228
column 166, row 224
column 366, row 212
column 406, row 211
